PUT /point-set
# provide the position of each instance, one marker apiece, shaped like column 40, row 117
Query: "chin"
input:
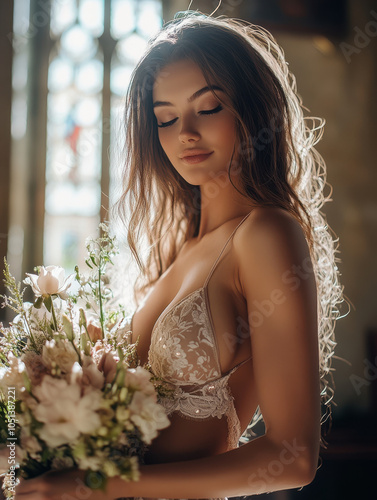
column 198, row 179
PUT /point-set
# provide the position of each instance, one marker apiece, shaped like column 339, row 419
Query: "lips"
column 194, row 152
column 196, row 158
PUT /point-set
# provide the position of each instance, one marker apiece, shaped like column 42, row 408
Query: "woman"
column 238, row 300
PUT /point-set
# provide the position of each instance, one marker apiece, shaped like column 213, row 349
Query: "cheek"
column 163, row 137
column 226, row 133
column 167, row 144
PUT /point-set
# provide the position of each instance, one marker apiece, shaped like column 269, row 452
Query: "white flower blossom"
column 64, row 411
column 51, row 280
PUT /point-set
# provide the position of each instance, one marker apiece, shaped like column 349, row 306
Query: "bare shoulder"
column 270, row 240
column 270, row 222
column 270, row 228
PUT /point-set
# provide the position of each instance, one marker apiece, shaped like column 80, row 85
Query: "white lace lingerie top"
column 184, row 352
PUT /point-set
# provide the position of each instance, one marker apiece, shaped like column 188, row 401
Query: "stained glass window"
column 95, row 46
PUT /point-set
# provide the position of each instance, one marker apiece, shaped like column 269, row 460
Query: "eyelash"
column 209, row 112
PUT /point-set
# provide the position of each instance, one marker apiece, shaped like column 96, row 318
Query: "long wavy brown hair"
column 274, row 156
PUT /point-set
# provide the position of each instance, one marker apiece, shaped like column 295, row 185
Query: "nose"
column 188, row 132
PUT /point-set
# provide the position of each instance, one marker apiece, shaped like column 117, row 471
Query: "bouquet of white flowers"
column 72, row 391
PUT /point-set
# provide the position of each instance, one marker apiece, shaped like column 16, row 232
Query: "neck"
column 220, row 203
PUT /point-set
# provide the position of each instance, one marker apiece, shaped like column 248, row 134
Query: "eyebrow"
column 194, row 96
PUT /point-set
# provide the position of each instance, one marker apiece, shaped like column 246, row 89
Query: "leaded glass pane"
column 91, row 16
column 149, row 18
column 78, row 44
column 89, row 76
column 63, row 15
column 122, row 18
column 131, row 48
column 60, row 74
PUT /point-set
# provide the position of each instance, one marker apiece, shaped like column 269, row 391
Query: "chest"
column 196, row 310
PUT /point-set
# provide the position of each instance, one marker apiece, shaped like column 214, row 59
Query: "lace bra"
column 184, row 353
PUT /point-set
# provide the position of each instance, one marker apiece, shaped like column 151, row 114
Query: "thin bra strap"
column 218, row 258
column 232, row 370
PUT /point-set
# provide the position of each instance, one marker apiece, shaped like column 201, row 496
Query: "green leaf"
column 67, row 327
column 26, row 381
column 119, row 379
column 38, row 303
column 82, row 320
column 87, row 263
column 48, row 303
column 120, row 353
column 85, row 343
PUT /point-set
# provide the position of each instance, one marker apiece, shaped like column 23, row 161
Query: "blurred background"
column 65, row 66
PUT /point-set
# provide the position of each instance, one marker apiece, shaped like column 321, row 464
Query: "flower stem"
column 101, row 317
column 54, row 316
column 26, row 323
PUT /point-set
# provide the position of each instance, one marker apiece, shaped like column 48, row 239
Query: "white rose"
column 51, row 280
column 65, row 412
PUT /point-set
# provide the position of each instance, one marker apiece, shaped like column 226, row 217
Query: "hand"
column 57, row 485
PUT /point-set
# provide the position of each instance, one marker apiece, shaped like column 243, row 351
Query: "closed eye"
column 208, row 112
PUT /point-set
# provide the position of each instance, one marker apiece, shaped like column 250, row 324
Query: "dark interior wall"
column 337, row 79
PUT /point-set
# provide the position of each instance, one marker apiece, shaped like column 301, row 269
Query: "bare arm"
column 276, row 278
